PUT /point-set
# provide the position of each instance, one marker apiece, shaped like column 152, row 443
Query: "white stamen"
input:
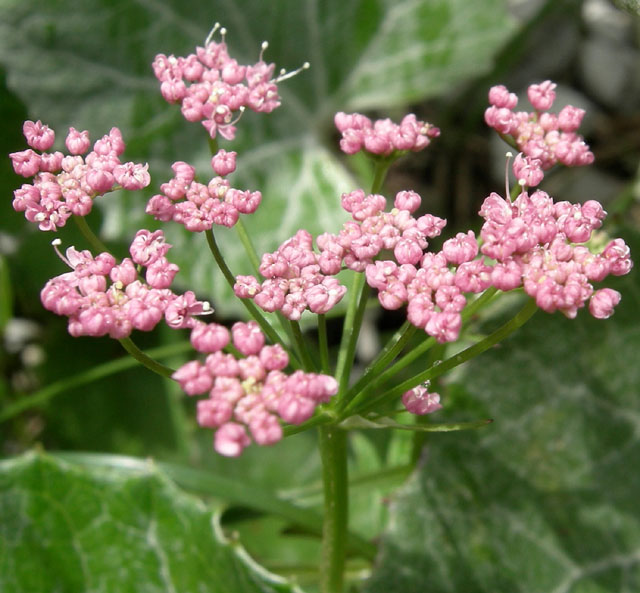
column 55, row 244
column 207, row 41
column 507, row 193
column 263, row 48
column 237, row 119
column 284, row 75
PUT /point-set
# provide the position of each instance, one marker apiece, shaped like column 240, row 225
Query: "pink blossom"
column 209, row 337
column 39, row 136
column 213, row 412
column 542, row 95
column 528, row 171
column 230, row 439
column 500, row 96
column 462, row 248
column 247, row 337
column 420, row 401
column 193, row 378
column 77, row 142
column 148, row 246
column 25, row 163
column 224, row 162
column 132, row 176
column 603, row 302
column 407, row 200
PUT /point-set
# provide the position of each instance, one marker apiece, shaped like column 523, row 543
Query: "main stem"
column 333, row 452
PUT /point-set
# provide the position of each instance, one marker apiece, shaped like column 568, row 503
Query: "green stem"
column 438, row 369
column 95, row 373
column 382, row 166
column 144, row 359
column 255, row 313
column 301, row 347
column 89, row 235
column 333, row 452
column 359, row 393
column 351, row 330
column 323, row 344
column 248, row 246
column 393, row 347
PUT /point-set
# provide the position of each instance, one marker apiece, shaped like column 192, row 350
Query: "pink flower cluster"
column 250, row 393
column 427, row 282
column 66, row 185
column 197, row 206
column 542, row 136
column 212, row 87
column 295, row 280
column 383, row 137
column 101, row 297
column 540, row 244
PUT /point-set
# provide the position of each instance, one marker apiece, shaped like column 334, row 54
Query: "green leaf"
column 546, row 498
column 230, row 490
column 631, row 6
column 70, row 529
column 88, row 65
column 385, row 423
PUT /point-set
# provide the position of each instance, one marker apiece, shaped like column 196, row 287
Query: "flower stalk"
column 333, row 453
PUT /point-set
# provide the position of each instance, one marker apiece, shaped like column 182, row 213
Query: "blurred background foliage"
column 564, row 394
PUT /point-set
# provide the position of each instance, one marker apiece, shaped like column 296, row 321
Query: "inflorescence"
column 215, row 89
column 66, row 185
column 545, row 247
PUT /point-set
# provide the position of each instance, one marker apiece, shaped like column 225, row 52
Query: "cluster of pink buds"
column 294, row 280
column 66, row 185
column 212, row 87
column 544, row 138
column 101, row 297
column 383, row 137
column 248, row 395
column 540, row 244
column 197, row 206
column 427, row 282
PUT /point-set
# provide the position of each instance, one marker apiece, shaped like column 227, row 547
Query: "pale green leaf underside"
column 69, row 529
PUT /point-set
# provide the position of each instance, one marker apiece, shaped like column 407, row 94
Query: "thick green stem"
column 333, row 451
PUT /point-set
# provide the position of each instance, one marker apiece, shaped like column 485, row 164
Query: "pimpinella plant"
column 264, row 378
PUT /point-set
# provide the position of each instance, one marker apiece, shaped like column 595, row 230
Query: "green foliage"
column 631, row 6
column 70, row 530
column 545, row 498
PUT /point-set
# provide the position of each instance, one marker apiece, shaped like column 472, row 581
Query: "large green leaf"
column 546, row 498
column 88, row 65
column 70, row 529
